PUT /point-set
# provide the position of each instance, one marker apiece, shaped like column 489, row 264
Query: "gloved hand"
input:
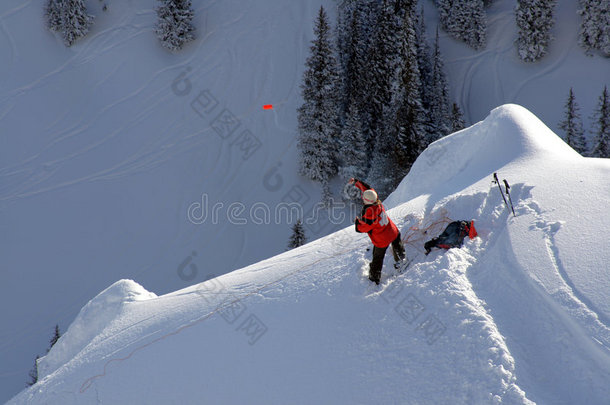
column 352, row 181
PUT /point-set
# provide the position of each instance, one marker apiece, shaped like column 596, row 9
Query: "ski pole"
column 495, row 180
column 509, row 197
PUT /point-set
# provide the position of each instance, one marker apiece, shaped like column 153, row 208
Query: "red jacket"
column 375, row 222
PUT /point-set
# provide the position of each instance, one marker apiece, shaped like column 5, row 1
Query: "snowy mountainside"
column 108, row 155
column 480, row 81
column 108, row 149
column 511, row 317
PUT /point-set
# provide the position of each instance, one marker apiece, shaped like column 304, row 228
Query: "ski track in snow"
column 490, row 57
column 24, row 4
column 450, row 270
column 552, row 67
column 29, row 176
column 570, row 298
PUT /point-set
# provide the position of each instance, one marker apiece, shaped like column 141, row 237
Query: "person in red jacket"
column 383, row 232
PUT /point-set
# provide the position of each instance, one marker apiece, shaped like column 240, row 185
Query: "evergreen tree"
column 55, row 338
column 444, row 12
column 174, row 26
column 345, row 16
column 409, row 121
column 53, row 14
column 383, row 95
column 424, row 64
column 355, row 73
column 33, row 374
column 595, row 26
column 346, row 11
column 318, row 116
column 298, row 236
column 601, row 118
column 440, row 117
column 534, row 20
column 369, row 17
column 572, row 126
column 353, row 152
column 69, row 18
column 471, row 22
column 383, row 68
column 457, row 119
column 464, row 20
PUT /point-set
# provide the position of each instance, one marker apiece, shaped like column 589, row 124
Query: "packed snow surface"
column 517, row 315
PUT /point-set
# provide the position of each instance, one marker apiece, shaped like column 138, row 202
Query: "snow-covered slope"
column 106, row 147
column 482, row 80
column 518, row 314
column 107, row 144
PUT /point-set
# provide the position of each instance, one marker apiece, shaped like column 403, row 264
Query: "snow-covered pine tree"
column 439, row 115
column 354, row 159
column 174, row 26
column 457, row 119
column 356, row 62
column 601, row 125
column 355, row 69
column 383, row 67
column 69, row 18
column 52, row 14
column 589, row 30
column 383, row 90
column 472, row 19
column 464, row 20
column 33, row 374
column 298, row 235
column 595, row 26
column 318, row 116
column 444, row 12
column 55, row 338
column 345, row 16
column 409, row 121
column 572, row 126
column 424, row 64
column 534, row 21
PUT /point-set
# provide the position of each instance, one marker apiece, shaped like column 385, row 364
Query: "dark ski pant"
column 398, row 250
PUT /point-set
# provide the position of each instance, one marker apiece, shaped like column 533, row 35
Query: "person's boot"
column 374, row 276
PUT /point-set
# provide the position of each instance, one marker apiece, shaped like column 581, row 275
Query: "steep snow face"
column 511, row 317
column 510, row 133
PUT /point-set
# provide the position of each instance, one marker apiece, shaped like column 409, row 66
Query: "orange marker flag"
column 268, row 107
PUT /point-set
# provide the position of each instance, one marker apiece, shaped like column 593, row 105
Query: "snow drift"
column 518, row 315
column 91, row 322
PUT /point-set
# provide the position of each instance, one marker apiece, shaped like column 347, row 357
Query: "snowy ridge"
column 103, row 152
column 91, row 322
column 511, row 317
column 509, row 134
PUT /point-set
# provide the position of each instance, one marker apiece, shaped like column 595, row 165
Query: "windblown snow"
column 517, row 315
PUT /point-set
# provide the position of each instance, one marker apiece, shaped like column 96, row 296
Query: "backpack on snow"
column 452, row 236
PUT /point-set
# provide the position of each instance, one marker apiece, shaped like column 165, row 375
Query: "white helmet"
column 369, row 196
